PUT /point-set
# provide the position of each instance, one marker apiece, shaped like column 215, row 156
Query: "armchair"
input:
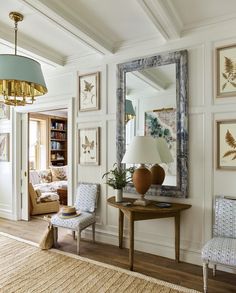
column 38, row 208
column 86, row 203
column 221, row 249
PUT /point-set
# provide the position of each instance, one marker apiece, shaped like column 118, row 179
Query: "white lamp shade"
column 20, row 68
column 142, row 150
column 163, row 150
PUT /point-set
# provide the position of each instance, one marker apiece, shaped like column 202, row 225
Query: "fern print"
column 229, row 73
column 230, row 140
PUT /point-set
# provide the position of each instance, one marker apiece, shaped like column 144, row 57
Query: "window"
column 37, row 144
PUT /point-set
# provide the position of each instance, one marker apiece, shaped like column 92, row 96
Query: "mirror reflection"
column 150, row 110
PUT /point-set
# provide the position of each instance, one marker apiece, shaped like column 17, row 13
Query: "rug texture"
column 25, row 268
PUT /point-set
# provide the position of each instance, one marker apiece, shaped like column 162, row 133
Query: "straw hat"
column 68, row 212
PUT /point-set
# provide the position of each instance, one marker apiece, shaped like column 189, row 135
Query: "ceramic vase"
column 118, row 195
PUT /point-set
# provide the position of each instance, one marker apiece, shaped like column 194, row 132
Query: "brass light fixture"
column 129, row 111
column 21, row 78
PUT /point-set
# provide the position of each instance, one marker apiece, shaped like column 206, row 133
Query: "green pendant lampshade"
column 21, row 78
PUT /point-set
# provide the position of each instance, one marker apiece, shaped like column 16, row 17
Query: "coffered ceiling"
column 58, row 30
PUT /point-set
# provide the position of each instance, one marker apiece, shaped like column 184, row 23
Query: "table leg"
column 121, row 227
column 177, row 236
column 131, row 241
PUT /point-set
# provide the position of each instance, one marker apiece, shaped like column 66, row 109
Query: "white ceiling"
column 59, row 30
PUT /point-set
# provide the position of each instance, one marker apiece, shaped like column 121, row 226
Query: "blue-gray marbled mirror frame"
column 180, row 58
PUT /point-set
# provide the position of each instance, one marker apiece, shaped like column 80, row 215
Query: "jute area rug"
column 25, row 268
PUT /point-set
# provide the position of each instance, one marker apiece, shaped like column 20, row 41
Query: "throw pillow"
column 38, row 192
column 45, row 176
column 59, row 173
column 48, row 196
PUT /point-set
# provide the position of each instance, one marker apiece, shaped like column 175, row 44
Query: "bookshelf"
column 58, row 141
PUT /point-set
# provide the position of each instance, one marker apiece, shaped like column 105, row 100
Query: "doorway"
column 22, row 172
column 47, row 161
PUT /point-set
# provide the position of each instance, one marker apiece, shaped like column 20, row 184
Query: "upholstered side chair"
column 86, row 203
column 221, row 249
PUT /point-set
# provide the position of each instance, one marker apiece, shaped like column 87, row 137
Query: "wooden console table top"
column 139, row 213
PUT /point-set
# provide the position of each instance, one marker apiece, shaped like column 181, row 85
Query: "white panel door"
column 24, row 166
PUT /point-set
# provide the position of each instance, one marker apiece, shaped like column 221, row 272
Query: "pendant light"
column 21, row 78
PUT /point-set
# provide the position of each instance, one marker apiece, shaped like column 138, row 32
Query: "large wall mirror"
column 152, row 101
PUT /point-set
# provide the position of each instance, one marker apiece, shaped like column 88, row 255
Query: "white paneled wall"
column 6, row 174
column 156, row 236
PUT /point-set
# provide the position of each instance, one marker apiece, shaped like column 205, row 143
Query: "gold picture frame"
column 226, row 144
column 4, row 111
column 226, row 71
column 4, row 147
column 89, row 92
column 89, row 146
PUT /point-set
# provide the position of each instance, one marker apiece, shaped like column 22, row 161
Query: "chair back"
column 225, row 217
column 87, row 196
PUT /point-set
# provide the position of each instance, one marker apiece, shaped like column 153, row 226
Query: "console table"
column 139, row 213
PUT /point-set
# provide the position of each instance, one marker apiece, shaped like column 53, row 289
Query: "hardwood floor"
column 183, row 274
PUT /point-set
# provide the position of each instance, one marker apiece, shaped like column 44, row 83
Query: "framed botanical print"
column 4, row 111
column 4, row 147
column 89, row 146
column 226, row 71
column 89, row 92
column 226, row 144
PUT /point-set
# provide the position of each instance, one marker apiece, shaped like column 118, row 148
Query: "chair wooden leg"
column 78, row 242
column 93, row 228
column 205, row 276
column 55, row 236
column 214, row 270
column 73, row 234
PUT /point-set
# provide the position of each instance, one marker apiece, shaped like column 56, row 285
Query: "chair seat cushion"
column 76, row 223
column 220, row 250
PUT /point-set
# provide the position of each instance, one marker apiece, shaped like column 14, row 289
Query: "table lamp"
column 142, row 150
column 158, row 173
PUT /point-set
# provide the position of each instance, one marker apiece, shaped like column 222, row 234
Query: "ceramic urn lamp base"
column 141, row 201
column 142, row 179
column 158, row 174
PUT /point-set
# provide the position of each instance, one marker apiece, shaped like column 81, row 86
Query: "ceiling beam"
column 153, row 80
column 164, row 17
column 75, row 28
column 30, row 47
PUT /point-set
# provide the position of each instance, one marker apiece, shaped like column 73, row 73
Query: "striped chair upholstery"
column 221, row 249
column 86, row 203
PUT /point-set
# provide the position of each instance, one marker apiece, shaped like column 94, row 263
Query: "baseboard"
column 189, row 256
column 6, row 214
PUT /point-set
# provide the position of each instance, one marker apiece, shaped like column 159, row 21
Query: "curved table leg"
column 131, row 241
column 121, row 228
column 177, row 236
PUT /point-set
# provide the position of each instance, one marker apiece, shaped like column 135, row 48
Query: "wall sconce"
column 129, row 111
